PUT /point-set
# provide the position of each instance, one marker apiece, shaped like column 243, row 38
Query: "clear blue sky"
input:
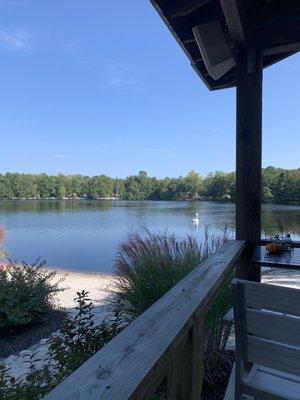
column 97, row 87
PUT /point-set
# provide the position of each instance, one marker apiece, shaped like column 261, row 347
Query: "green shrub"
column 26, row 294
column 77, row 341
column 80, row 338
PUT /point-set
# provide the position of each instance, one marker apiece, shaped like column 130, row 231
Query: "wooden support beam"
column 292, row 47
column 182, row 8
column 191, row 40
column 234, row 15
column 272, row 13
column 280, row 35
column 248, row 157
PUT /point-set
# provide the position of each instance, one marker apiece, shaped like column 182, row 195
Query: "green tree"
column 278, row 185
column 192, row 185
column 217, row 186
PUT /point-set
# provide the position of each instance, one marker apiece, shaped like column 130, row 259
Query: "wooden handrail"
column 165, row 342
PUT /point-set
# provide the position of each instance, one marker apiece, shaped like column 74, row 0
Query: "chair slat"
column 271, row 297
column 274, row 355
column 257, row 393
column 276, row 327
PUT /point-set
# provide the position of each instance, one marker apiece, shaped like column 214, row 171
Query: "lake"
column 84, row 235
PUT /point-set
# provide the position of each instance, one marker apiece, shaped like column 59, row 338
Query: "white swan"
column 196, row 219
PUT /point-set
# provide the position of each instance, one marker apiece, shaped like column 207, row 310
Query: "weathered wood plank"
column 265, row 337
column 197, row 358
column 240, row 334
column 137, row 360
column 285, row 48
column 234, row 14
column 183, row 8
column 278, row 35
column 274, row 355
column 274, row 298
column 275, row 327
column 186, row 375
column 276, row 383
column 179, row 376
column 256, row 393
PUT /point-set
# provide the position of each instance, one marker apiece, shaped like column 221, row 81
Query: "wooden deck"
column 165, row 344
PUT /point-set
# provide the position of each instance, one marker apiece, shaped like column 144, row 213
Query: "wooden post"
column 186, row 375
column 248, row 157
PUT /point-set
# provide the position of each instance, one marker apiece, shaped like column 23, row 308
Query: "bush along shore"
column 279, row 186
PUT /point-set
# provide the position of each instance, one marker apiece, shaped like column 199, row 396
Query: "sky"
column 101, row 87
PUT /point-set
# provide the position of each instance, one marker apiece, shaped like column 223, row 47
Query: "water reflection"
column 84, row 235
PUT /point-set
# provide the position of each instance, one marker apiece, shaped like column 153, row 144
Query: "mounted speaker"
column 215, row 51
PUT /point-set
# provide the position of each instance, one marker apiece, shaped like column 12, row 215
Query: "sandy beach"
column 97, row 284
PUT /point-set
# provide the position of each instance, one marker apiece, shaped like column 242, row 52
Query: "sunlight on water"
column 84, row 235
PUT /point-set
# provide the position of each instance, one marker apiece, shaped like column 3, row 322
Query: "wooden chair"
column 267, row 333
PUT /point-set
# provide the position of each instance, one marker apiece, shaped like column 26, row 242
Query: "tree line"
column 279, row 186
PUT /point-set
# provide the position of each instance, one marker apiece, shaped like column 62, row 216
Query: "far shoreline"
column 110, row 199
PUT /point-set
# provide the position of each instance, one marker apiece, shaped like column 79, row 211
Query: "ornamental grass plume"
column 149, row 264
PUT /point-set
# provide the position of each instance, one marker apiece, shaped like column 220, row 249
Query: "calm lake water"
column 84, row 235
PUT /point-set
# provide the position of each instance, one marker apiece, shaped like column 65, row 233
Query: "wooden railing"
column 164, row 344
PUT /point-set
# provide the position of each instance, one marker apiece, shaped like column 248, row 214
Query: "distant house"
column 72, row 196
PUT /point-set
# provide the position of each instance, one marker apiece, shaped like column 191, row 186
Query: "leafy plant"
column 26, row 294
column 77, row 341
column 79, row 338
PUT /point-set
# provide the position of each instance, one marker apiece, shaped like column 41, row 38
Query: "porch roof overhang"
column 269, row 26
